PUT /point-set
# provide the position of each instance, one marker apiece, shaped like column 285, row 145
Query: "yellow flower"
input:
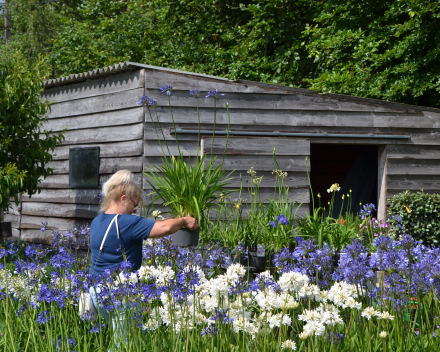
column 237, row 206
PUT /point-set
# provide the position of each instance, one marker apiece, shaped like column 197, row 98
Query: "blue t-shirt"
column 132, row 231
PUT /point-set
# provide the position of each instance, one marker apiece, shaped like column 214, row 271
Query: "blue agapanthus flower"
column 282, row 220
column 152, row 103
column 214, row 94
column 194, row 93
column 367, row 210
column 273, row 224
column 211, row 330
column 143, row 101
column 166, row 88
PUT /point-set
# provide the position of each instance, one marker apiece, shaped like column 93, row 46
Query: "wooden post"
column 7, row 22
column 382, row 183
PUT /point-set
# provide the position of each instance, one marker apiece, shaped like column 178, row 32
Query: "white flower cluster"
column 162, row 274
column 333, row 188
column 15, row 284
column 275, row 302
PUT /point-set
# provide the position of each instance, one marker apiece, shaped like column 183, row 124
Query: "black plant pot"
column 186, row 238
column 6, row 229
column 253, row 260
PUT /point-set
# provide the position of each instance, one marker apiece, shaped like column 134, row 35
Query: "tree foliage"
column 24, row 146
column 384, row 49
column 369, row 48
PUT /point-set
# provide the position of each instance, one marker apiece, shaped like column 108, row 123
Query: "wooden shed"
column 376, row 148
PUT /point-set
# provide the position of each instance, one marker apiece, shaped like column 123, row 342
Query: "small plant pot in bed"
column 6, row 229
column 255, row 261
column 186, row 238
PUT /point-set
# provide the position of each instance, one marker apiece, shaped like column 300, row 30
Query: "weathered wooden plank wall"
column 404, row 163
column 101, row 112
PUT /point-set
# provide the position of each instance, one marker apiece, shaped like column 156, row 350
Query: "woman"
column 125, row 234
column 122, row 196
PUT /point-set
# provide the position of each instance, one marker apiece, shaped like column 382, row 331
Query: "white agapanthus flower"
column 293, row 281
column 163, row 274
column 146, row 272
column 385, row 316
column 369, row 312
column 235, row 272
column 311, row 291
column 122, row 278
column 288, row 345
column 278, row 319
column 383, row 334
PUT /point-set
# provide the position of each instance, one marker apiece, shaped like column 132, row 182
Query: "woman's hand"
column 191, row 223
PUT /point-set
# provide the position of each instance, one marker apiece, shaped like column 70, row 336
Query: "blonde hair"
column 121, row 183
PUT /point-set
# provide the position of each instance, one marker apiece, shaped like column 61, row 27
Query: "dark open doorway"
column 354, row 167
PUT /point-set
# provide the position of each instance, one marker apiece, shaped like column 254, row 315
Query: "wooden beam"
column 74, row 196
column 62, row 181
column 107, row 150
column 413, row 167
column 113, row 101
column 62, row 224
column 294, row 101
column 106, row 165
column 413, row 183
column 60, row 210
column 414, row 152
column 99, row 120
column 104, row 134
column 258, row 146
column 296, row 118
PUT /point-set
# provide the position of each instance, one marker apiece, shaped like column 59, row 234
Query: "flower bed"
column 180, row 301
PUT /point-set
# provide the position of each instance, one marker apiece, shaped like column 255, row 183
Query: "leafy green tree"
column 25, row 148
column 384, row 49
column 256, row 40
column 34, row 27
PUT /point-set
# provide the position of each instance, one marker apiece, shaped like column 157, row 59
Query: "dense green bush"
column 417, row 214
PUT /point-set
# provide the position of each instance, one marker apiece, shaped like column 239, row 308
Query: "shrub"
column 416, row 214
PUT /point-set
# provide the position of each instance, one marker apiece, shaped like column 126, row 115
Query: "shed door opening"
column 354, row 167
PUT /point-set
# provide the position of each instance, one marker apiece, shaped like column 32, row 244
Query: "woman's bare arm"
column 170, row 226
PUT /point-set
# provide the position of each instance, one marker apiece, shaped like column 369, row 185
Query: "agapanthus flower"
column 215, row 94
column 166, row 88
column 282, row 220
column 288, row 345
column 44, row 226
column 143, row 101
column 273, row 224
column 335, row 337
column 333, row 188
column 211, row 330
column 152, row 103
column 194, row 92
column 367, row 210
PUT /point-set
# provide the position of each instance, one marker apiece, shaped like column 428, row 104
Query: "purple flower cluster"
column 146, row 101
column 367, row 210
column 282, row 220
column 194, row 93
column 167, row 89
column 214, row 94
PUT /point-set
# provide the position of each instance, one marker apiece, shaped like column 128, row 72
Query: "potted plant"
column 186, row 189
